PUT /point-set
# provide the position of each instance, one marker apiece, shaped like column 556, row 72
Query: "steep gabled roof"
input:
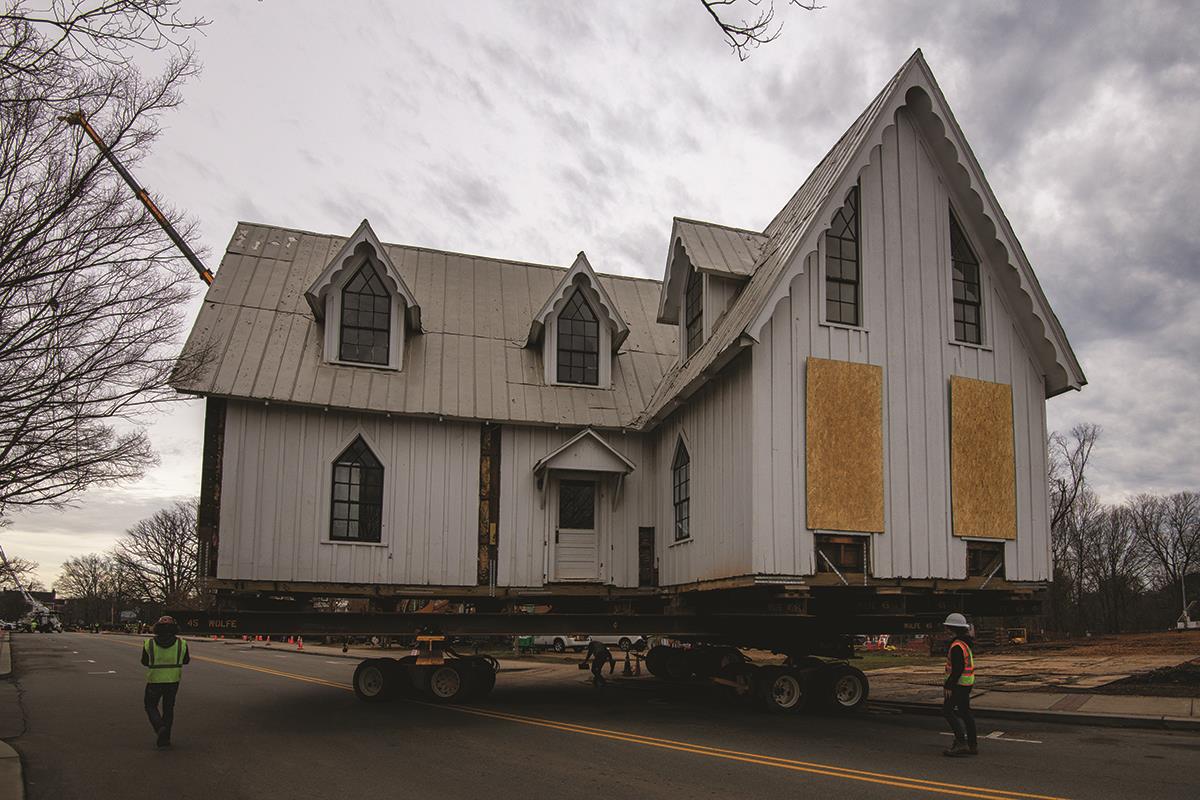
column 808, row 212
column 580, row 277
column 709, row 247
column 362, row 240
column 469, row 362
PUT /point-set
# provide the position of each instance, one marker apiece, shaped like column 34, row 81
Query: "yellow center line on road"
column 828, row 770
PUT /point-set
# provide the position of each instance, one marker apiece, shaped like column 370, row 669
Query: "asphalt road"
column 259, row 725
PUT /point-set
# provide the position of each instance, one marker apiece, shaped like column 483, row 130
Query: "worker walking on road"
column 163, row 656
column 598, row 654
column 960, row 680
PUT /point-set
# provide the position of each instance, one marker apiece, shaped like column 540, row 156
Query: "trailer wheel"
column 679, row 665
column 656, row 660
column 560, row 646
column 782, row 690
column 850, row 688
column 449, row 682
column 371, row 680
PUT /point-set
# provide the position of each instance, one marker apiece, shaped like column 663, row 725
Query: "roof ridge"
column 678, row 218
column 422, row 248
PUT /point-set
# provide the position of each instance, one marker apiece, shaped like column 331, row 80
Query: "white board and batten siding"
column 715, row 424
column 908, row 331
column 276, row 491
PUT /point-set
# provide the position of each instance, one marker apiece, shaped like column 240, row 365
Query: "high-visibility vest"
column 968, row 674
column 165, row 664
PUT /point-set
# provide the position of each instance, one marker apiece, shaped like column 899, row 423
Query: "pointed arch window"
column 968, row 295
column 366, row 319
column 356, row 510
column 694, row 311
column 578, row 343
column 681, row 491
column 843, row 266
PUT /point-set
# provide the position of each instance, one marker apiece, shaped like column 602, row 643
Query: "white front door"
column 576, row 539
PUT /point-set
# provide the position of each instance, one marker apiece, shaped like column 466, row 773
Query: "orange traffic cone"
column 299, row 642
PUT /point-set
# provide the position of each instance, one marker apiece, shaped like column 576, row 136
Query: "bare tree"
column 17, row 572
column 1115, row 563
column 159, row 554
column 91, row 289
column 88, row 580
column 1169, row 529
column 744, row 34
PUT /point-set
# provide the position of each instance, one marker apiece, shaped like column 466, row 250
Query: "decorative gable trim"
column 580, row 277
column 709, row 248
column 362, row 243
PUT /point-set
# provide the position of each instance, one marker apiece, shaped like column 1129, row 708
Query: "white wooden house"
column 856, row 394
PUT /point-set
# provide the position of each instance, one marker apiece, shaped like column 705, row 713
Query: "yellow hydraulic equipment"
column 78, row 119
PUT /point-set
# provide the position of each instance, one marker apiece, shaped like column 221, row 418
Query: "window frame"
column 332, row 500
column 953, row 223
column 549, row 346
column 841, row 539
column 344, row 326
column 823, row 256
column 985, row 284
column 678, row 501
column 576, row 299
column 333, row 318
column 994, row 546
column 695, row 280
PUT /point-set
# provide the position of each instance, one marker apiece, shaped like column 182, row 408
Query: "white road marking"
column 109, row 672
column 998, row 736
column 85, row 661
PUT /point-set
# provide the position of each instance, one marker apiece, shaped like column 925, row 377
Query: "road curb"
column 1060, row 717
column 6, row 666
column 12, row 782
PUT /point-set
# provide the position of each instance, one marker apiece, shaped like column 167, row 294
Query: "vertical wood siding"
column 715, row 423
column 525, row 516
column 907, row 314
column 275, row 510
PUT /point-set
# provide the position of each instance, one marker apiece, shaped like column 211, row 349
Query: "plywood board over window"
column 982, row 464
column 844, row 446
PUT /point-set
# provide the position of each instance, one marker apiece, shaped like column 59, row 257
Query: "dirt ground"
column 1183, row 643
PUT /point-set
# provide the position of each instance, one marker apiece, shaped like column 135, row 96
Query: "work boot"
column 957, row 749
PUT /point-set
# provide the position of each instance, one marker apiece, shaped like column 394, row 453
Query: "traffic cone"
column 299, row 642
column 291, row 640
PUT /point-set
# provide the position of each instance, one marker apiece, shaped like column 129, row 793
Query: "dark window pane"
column 578, row 343
column 842, row 268
column 694, row 311
column 577, row 505
column 356, row 510
column 967, row 294
column 680, row 491
column 366, row 318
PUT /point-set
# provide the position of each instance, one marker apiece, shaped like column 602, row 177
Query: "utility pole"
column 78, row 119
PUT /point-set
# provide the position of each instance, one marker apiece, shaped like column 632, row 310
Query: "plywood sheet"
column 982, row 463
column 844, row 446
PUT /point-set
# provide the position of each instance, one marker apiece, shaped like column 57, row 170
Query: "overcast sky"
column 535, row 130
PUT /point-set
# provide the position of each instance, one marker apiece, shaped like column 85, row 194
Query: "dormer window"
column 578, row 343
column 366, row 318
column 694, row 311
column 364, row 305
column 578, row 330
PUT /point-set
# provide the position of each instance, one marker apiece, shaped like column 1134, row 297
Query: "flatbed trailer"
column 814, row 630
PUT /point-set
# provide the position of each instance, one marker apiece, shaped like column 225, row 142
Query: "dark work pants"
column 957, row 711
column 166, row 693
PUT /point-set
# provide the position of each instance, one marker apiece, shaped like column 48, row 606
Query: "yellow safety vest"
column 165, row 663
column 968, row 674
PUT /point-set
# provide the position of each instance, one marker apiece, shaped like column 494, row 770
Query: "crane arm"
column 78, row 119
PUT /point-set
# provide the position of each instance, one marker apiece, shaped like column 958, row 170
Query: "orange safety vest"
column 968, row 674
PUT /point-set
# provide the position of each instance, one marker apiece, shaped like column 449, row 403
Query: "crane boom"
column 78, row 119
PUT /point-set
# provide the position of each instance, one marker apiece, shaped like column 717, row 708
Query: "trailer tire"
column 848, row 688
column 373, row 680
column 783, row 690
column 450, row 682
column 679, row 665
column 656, row 660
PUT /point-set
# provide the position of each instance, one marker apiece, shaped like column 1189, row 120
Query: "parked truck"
column 831, row 426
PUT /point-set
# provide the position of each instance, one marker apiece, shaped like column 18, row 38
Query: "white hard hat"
column 956, row 620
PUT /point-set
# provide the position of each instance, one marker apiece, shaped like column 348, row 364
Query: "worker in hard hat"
column 164, row 656
column 960, row 680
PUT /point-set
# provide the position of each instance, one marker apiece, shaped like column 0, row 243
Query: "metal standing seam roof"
column 717, row 248
column 469, row 362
